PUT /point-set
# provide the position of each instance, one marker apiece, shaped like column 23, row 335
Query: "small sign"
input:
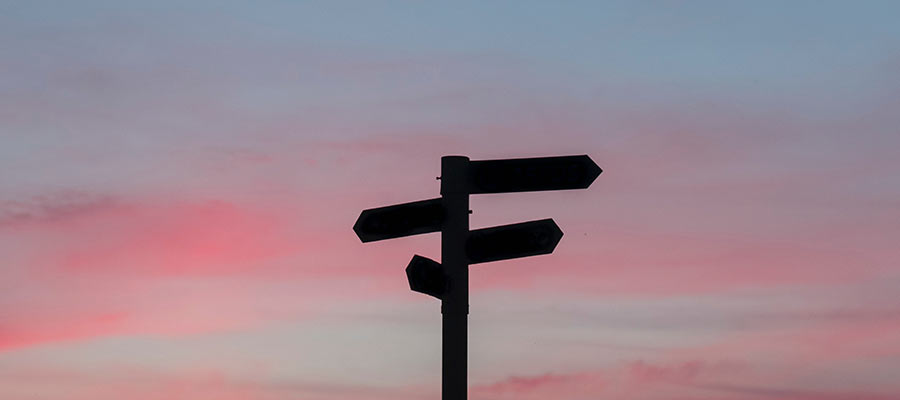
column 400, row 220
column 532, row 174
column 512, row 241
column 427, row 276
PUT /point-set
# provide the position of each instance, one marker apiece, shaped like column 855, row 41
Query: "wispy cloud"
column 53, row 208
column 626, row 380
column 795, row 394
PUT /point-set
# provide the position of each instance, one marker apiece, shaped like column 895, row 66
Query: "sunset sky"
column 178, row 184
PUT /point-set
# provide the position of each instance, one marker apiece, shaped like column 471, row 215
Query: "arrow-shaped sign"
column 400, row 220
column 531, row 174
column 427, row 276
column 512, row 241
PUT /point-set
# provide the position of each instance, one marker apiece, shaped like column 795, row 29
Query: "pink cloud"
column 626, row 380
column 87, row 266
column 530, row 385
column 643, row 372
column 89, row 313
column 694, row 380
column 548, row 385
column 183, row 239
column 34, row 330
column 765, row 392
column 855, row 335
column 193, row 384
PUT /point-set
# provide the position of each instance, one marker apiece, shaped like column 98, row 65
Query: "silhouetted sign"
column 460, row 247
column 531, row 174
column 400, row 220
column 426, row 276
column 512, row 241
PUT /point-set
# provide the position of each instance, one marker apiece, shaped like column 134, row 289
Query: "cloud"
column 548, row 385
column 625, row 380
column 79, row 266
column 191, row 384
column 53, row 208
column 643, row 372
column 529, row 385
column 796, row 394
column 18, row 333
column 93, row 234
column 695, row 379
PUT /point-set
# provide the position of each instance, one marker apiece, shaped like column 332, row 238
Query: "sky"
column 179, row 180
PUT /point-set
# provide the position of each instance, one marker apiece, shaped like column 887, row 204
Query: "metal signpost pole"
column 455, row 303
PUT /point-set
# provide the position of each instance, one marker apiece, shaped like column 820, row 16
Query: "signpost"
column 449, row 214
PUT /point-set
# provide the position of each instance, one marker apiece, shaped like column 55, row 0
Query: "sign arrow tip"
column 593, row 171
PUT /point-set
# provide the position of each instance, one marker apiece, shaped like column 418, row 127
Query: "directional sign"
column 512, row 241
column 531, row 174
column 400, row 220
column 427, row 276
column 461, row 247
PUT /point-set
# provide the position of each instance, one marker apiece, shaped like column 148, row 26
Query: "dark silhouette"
column 427, row 276
column 512, row 241
column 399, row 220
column 449, row 279
column 531, row 174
